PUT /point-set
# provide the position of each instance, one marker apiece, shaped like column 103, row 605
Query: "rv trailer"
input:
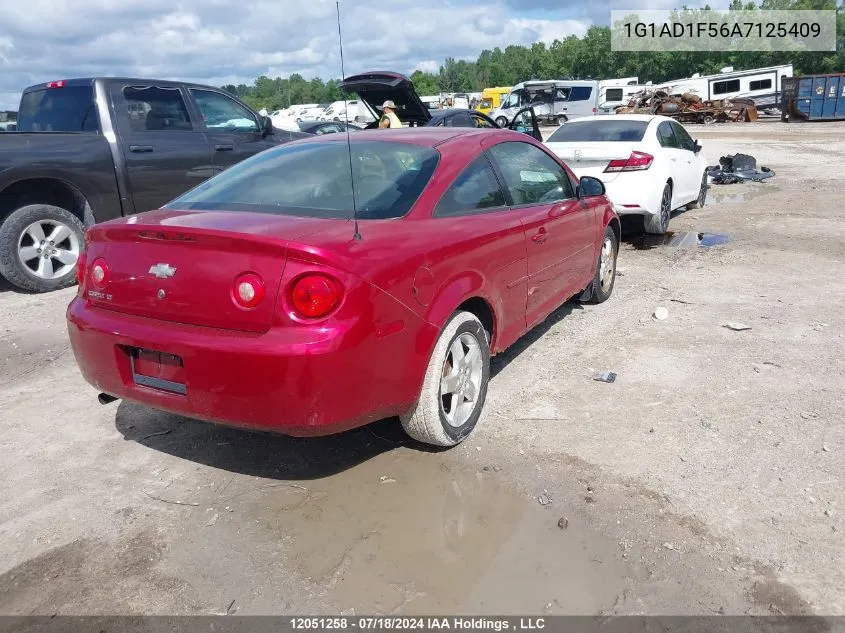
column 762, row 85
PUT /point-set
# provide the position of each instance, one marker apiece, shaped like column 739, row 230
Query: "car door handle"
column 673, row 160
column 224, row 148
column 540, row 236
column 141, row 148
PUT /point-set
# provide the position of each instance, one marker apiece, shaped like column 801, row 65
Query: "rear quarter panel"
column 432, row 265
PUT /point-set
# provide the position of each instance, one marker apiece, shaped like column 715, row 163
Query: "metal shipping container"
column 814, row 98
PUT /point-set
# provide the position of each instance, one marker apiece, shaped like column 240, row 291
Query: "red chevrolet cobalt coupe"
column 254, row 301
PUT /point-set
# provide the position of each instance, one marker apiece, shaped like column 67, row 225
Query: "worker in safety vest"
column 389, row 118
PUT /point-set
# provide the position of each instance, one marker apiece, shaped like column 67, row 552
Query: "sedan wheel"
column 658, row 223
column 455, row 384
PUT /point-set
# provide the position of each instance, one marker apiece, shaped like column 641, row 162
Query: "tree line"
column 587, row 57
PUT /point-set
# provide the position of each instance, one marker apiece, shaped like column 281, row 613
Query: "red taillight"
column 80, row 268
column 316, row 295
column 635, row 162
column 248, row 290
column 99, row 273
column 56, row 84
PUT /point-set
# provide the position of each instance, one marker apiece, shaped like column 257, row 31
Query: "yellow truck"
column 491, row 98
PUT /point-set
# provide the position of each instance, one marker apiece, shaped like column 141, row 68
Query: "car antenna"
column 357, row 234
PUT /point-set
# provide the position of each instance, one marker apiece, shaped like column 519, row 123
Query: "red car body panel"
column 266, row 367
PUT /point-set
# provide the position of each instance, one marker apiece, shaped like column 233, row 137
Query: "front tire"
column 455, row 384
column 40, row 245
column 501, row 121
column 605, row 277
column 658, row 223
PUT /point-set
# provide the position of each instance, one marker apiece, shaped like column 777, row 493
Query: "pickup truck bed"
column 90, row 150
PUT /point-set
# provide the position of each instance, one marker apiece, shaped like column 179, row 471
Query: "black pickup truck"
column 89, row 150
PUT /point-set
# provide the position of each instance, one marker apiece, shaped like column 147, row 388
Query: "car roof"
column 426, row 136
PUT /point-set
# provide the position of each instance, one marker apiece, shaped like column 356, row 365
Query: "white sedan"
column 649, row 164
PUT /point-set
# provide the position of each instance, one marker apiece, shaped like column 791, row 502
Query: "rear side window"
column 475, row 190
column 614, row 130
column 151, row 108
column 313, row 180
column 666, row 136
column 67, row 109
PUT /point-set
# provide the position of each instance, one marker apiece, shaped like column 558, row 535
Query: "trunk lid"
column 376, row 87
column 592, row 158
column 181, row 266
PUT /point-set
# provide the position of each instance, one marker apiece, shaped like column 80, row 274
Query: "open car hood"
column 376, row 87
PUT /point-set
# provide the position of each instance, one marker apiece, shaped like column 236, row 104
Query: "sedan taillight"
column 99, row 273
column 637, row 161
column 315, row 295
column 80, row 268
column 248, row 290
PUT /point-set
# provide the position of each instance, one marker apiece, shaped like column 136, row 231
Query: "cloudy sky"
column 234, row 41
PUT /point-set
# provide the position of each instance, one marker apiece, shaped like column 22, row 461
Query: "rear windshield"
column 313, row 180
column 68, row 109
column 605, row 128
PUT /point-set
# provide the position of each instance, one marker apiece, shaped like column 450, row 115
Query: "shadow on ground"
column 256, row 453
column 276, row 456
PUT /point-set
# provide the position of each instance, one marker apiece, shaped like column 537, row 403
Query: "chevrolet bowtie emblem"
column 162, row 271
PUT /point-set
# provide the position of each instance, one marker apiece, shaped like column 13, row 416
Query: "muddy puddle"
column 679, row 239
column 407, row 532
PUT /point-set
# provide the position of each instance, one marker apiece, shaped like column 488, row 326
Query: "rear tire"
column 25, row 238
column 455, row 384
column 658, row 223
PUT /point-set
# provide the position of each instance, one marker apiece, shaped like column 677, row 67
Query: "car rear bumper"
column 631, row 194
column 300, row 381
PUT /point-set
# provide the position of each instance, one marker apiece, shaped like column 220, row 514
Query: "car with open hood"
column 375, row 87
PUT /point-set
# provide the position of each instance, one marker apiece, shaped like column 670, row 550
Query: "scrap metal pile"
column 689, row 108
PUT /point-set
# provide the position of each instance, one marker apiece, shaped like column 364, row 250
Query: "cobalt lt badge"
column 162, row 271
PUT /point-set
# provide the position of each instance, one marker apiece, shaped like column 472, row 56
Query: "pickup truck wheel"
column 39, row 247
column 455, row 384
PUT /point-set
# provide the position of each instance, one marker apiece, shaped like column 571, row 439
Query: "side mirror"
column 696, row 147
column 266, row 126
column 590, row 187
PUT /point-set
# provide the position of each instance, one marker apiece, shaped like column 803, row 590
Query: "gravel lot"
column 706, row 479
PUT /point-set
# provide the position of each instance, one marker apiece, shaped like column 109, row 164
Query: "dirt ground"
column 706, row 479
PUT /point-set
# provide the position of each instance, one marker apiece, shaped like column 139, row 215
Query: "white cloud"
column 428, row 66
column 232, row 41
